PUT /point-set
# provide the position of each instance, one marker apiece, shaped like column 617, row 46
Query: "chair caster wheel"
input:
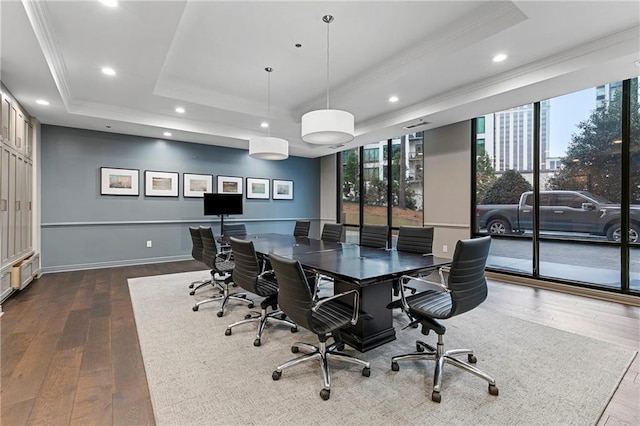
column 295, row 349
column 247, row 316
column 227, row 332
column 195, row 308
column 366, row 372
column 340, row 347
column 191, row 285
column 325, row 394
column 472, row 359
column 419, row 348
column 413, row 291
column 276, row 375
column 395, row 366
column 294, row 329
column 220, row 314
column 283, row 317
column 256, row 342
column 493, row 389
column 191, row 293
column 435, row 396
column 250, row 305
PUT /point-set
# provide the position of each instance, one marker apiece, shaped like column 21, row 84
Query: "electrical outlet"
column 149, row 243
column 445, row 249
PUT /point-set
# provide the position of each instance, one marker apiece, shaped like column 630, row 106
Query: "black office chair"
column 324, row 317
column 234, row 230
column 221, row 269
column 375, row 236
column 465, row 289
column 413, row 239
column 332, row 232
column 248, row 274
column 302, row 228
column 196, row 253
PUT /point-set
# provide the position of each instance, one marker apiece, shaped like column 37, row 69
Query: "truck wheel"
column 498, row 226
column 614, row 233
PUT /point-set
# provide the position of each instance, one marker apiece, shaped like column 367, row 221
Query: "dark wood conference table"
column 369, row 270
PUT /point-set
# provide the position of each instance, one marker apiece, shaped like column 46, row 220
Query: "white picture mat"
column 282, row 189
column 225, row 182
column 258, row 188
column 195, row 185
column 109, row 178
column 152, row 178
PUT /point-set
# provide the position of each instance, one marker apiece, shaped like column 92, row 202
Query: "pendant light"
column 267, row 147
column 327, row 126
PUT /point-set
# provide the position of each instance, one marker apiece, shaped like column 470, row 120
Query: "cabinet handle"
column 19, row 142
column 17, row 206
column 29, row 205
column 3, row 205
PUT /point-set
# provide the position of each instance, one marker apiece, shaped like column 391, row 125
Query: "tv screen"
column 219, row 204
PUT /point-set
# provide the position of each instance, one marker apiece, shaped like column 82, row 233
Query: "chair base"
column 197, row 284
column 440, row 356
column 262, row 319
column 224, row 296
column 322, row 353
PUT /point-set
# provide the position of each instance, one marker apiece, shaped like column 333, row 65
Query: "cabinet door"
column 29, row 140
column 19, row 130
column 26, row 209
column 11, row 203
column 4, row 204
column 6, row 117
column 19, row 215
column 12, row 126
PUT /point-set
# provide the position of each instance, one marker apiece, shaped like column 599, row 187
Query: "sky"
column 565, row 114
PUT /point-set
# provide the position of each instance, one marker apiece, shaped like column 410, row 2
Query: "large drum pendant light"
column 268, row 147
column 328, row 126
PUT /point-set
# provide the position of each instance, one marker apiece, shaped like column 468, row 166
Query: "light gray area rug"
column 199, row 376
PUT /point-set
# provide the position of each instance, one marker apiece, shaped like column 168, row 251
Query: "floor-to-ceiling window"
column 581, row 165
column 392, row 184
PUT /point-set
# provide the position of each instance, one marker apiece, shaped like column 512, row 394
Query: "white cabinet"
column 5, row 285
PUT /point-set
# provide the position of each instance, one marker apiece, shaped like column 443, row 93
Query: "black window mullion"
column 625, row 184
column 536, row 190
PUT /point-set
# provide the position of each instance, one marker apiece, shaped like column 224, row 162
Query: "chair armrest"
column 432, row 285
column 442, row 269
column 356, row 303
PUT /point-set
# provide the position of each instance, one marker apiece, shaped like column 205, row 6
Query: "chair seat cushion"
column 430, row 303
column 331, row 316
column 225, row 266
column 267, row 285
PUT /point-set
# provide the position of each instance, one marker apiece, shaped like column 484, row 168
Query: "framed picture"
column 258, row 188
column 229, row 185
column 282, row 189
column 196, row 185
column 119, row 181
column 160, row 184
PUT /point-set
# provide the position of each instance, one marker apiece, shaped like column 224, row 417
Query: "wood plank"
column 93, row 403
column 16, row 413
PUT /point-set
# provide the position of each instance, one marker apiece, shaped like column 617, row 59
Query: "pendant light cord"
column 328, row 21
column 268, row 70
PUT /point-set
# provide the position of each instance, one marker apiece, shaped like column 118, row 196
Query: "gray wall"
column 82, row 229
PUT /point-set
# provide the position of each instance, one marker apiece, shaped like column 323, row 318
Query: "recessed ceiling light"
column 394, row 99
column 167, row 134
column 110, row 3
column 180, row 110
column 499, row 57
column 264, row 124
column 42, row 102
column 108, row 71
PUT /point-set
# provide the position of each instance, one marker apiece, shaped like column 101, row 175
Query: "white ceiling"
column 209, row 57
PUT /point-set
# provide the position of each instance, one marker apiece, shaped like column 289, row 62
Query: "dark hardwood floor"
column 70, row 351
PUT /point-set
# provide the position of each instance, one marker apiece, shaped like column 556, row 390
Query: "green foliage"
column 351, row 178
column 507, row 189
column 485, row 175
column 593, row 160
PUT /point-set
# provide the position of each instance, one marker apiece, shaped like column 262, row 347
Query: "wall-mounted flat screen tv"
column 221, row 204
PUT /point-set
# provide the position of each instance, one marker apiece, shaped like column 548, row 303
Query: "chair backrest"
column 332, row 232
column 294, row 295
column 209, row 249
column 302, row 228
column 466, row 281
column 414, row 239
column 374, row 236
column 247, row 267
column 234, row 230
column 196, row 240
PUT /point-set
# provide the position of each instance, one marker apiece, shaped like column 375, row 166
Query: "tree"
column 350, row 178
column 485, row 175
column 593, row 160
column 507, row 189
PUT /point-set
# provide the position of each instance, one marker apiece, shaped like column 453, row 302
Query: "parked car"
column 562, row 211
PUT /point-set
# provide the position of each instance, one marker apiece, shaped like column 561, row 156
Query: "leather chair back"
column 332, row 232
column 294, row 295
column 196, row 240
column 247, row 267
column 414, row 239
column 302, row 228
column 234, row 230
column 209, row 249
column 374, row 236
column 466, row 280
